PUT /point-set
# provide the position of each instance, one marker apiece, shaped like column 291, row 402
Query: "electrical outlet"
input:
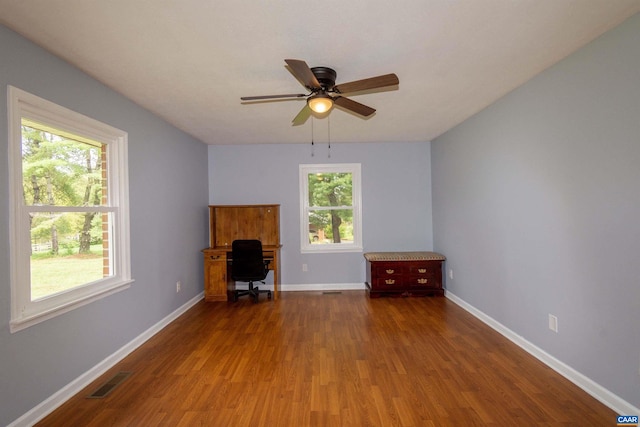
column 553, row 323
column 451, row 273
column 178, row 286
column 305, row 267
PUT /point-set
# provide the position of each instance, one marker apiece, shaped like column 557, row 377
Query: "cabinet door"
column 270, row 227
column 215, row 278
column 226, row 226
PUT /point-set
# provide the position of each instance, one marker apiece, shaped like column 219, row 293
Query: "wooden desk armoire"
column 228, row 223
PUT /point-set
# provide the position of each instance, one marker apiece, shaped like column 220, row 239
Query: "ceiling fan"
column 324, row 93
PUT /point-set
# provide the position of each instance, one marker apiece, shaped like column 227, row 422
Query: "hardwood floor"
column 335, row 359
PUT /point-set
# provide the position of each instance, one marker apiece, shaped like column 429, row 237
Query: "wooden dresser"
column 228, row 223
column 404, row 273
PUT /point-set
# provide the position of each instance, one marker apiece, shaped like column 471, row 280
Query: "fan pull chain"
column 312, row 145
column 329, row 134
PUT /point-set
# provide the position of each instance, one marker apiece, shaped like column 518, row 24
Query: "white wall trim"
column 309, row 287
column 323, row 287
column 74, row 387
column 594, row 389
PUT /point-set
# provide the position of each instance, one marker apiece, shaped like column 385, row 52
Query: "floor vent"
column 109, row 386
column 331, row 292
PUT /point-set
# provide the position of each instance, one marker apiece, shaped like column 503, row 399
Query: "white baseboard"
column 617, row 404
column 310, row 287
column 323, row 287
column 74, row 387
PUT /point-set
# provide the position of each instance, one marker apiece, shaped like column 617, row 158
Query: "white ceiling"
column 190, row 61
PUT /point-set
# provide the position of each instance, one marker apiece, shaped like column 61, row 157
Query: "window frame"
column 356, row 199
column 24, row 311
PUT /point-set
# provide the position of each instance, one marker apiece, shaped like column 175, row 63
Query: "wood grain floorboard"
column 339, row 359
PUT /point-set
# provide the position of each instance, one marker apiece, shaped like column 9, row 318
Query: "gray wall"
column 396, row 199
column 537, row 207
column 168, row 198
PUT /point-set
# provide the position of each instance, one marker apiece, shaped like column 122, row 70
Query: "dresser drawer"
column 388, row 282
column 397, row 282
column 387, row 269
column 422, row 281
column 423, row 268
column 423, row 274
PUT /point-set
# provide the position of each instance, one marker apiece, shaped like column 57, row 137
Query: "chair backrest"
column 248, row 263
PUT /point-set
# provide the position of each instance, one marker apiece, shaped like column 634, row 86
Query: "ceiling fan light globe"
column 320, row 103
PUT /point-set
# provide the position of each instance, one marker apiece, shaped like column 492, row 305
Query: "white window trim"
column 355, row 170
column 24, row 312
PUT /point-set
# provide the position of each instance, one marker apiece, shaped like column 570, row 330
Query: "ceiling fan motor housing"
column 326, row 77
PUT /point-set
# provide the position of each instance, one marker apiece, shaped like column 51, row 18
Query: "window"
column 69, row 209
column 330, row 208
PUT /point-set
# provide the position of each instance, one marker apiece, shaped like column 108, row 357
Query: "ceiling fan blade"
column 370, row 83
column 254, row 98
column 303, row 73
column 302, row 116
column 354, row 106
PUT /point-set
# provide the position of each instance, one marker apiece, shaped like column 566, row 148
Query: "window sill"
column 320, row 249
column 33, row 319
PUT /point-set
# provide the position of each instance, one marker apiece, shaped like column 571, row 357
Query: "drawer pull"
column 390, row 281
column 422, row 281
column 390, row 271
column 422, row 270
column 214, row 257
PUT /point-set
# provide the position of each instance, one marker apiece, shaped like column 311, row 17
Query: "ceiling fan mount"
column 323, row 91
column 326, row 77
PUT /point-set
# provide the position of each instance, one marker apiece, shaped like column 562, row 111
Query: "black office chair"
column 248, row 265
